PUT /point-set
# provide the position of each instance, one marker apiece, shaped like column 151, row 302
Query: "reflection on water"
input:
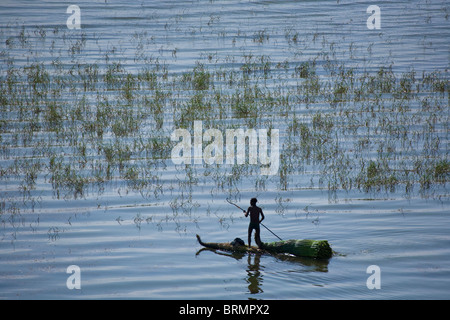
column 254, row 276
column 255, row 270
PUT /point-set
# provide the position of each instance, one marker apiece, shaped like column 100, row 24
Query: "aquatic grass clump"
column 201, row 78
column 442, row 170
column 377, row 176
column 306, row 69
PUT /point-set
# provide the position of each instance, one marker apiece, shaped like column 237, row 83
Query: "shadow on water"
column 254, row 269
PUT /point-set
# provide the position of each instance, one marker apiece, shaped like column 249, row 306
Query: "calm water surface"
column 129, row 244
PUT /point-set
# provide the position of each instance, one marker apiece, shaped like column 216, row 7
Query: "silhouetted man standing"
column 254, row 212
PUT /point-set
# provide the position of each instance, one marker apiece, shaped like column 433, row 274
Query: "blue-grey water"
column 138, row 241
